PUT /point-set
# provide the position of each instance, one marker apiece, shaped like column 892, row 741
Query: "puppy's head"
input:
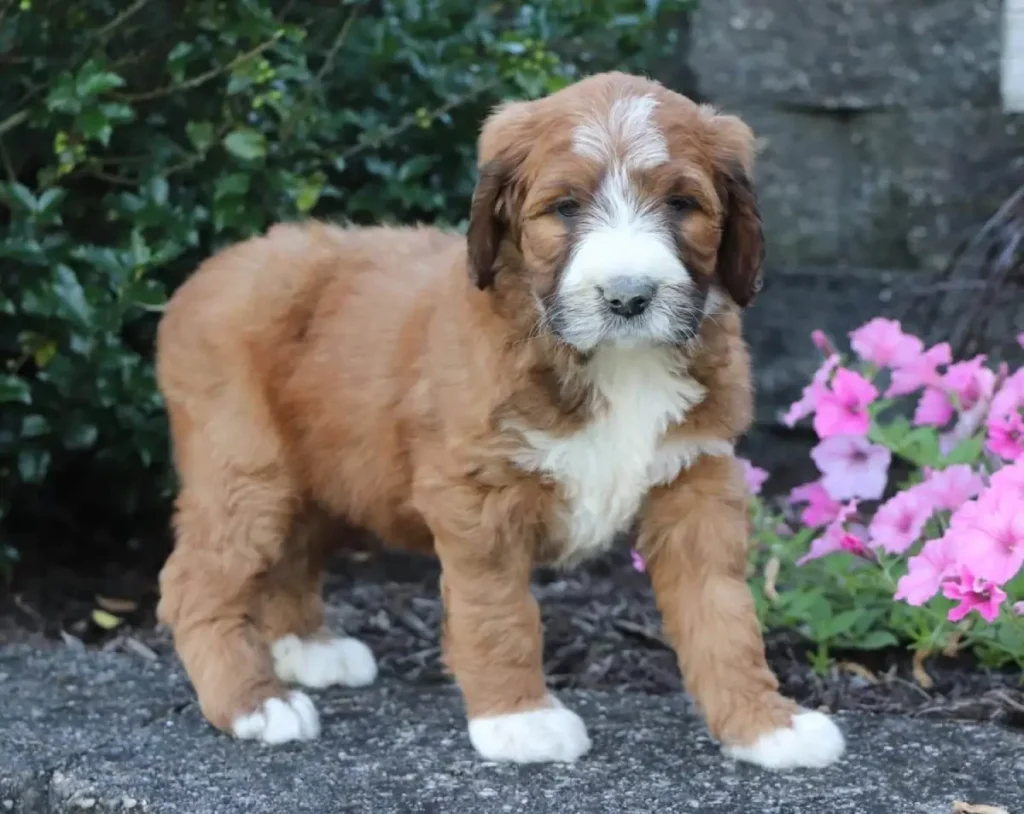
column 625, row 209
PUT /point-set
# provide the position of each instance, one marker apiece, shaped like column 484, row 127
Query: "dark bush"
column 137, row 137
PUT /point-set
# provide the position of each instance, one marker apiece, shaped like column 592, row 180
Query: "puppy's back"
column 256, row 297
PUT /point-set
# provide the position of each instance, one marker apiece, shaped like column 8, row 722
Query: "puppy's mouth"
column 626, row 316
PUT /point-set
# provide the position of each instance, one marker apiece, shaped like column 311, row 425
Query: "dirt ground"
column 602, row 631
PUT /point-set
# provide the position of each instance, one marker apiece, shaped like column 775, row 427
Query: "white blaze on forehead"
column 627, row 133
column 623, row 232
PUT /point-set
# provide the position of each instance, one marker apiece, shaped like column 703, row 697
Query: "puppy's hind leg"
column 304, row 651
column 232, row 525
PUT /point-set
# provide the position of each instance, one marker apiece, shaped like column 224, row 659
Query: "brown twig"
column 13, row 121
column 339, row 40
column 5, row 157
column 409, row 121
column 307, row 98
column 120, row 19
column 197, row 81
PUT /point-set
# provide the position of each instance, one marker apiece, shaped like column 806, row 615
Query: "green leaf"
column 79, row 435
column 158, row 189
column 921, row 445
column 117, row 112
column 70, row 294
column 308, row 192
column 141, row 254
column 147, row 294
column 21, row 196
column 33, row 426
column 62, row 97
column 967, row 451
column 839, row 624
column 14, row 389
column 44, row 353
column 92, row 82
column 876, row 640
column 246, row 144
column 200, row 134
column 414, row 167
column 95, row 125
column 230, row 185
column 179, row 52
column 33, row 464
column 49, row 199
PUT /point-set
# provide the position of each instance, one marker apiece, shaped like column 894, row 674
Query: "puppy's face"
column 625, row 208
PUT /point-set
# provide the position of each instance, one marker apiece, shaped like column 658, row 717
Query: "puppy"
column 571, row 369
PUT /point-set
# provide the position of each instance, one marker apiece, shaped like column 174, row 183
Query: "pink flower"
column 808, row 401
column 853, row 544
column 834, row 537
column 881, row 342
column 1006, row 437
column 852, row 467
column 1009, row 480
column 973, row 593
column 823, row 343
column 926, row 571
column 638, row 561
column 843, row 409
column 934, row 409
column 1020, row 339
column 821, row 509
column 920, row 372
column 1010, row 397
column 1018, row 607
column 963, row 387
column 966, row 426
column 970, row 382
column 988, row 535
column 1006, row 419
column 953, row 486
column 899, row 521
column 754, row 476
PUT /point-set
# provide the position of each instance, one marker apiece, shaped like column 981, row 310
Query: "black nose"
column 628, row 296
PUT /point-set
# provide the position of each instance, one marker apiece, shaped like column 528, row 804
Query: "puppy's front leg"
column 492, row 635
column 694, row 536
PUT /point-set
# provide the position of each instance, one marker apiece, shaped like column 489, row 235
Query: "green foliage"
column 845, row 603
column 136, row 137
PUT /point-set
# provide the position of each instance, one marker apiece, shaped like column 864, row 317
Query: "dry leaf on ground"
column 771, row 573
column 920, row 674
column 858, row 670
column 116, row 605
column 960, row 807
column 105, row 620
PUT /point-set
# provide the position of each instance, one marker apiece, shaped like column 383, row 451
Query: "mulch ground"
column 602, row 632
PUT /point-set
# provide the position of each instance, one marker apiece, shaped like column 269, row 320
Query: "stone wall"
column 884, row 143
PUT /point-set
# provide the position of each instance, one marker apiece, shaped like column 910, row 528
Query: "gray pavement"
column 112, row 732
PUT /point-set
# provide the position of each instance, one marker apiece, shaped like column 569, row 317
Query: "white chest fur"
column 606, row 469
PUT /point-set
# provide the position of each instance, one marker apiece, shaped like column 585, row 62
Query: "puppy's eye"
column 681, row 204
column 568, row 208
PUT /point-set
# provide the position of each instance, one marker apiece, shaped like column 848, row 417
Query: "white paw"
column 319, row 663
column 813, row 741
column 538, row 736
column 280, row 720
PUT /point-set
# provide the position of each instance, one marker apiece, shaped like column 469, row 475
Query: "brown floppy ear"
column 741, row 250
column 487, row 223
column 499, row 153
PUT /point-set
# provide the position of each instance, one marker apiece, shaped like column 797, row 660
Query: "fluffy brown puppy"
column 572, row 369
